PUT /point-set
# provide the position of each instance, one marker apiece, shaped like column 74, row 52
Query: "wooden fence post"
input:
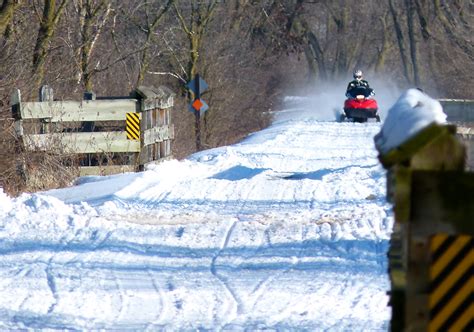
column 156, row 128
column 433, row 196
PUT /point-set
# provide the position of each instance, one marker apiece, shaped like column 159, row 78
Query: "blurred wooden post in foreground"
column 122, row 134
column 431, row 257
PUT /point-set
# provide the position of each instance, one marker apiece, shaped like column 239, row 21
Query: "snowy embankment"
column 288, row 229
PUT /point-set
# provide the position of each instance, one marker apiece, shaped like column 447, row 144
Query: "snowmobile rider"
column 358, row 82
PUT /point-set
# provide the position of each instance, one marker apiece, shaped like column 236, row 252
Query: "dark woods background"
column 250, row 53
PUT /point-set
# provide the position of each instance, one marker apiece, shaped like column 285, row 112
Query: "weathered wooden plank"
column 106, row 170
column 85, row 110
column 94, row 142
column 442, row 202
column 400, row 192
column 466, row 135
column 154, row 98
column 416, row 312
column 467, row 131
column 158, row 134
column 458, row 110
column 19, row 128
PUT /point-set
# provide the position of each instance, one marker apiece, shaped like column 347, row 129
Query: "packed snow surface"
column 287, row 230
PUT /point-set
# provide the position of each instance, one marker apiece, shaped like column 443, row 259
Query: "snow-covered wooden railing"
column 461, row 113
column 458, row 110
column 466, row 134
column 127, row 132
column 431, row 249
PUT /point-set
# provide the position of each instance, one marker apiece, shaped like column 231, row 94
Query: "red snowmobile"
column 360, row 107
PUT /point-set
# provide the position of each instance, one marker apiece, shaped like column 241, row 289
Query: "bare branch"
column 182, row 80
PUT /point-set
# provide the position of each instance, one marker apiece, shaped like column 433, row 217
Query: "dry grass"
column 30, row 172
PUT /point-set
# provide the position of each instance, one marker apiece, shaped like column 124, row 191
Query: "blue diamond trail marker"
column 197, row 86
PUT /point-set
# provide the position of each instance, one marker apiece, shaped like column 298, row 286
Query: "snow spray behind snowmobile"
column 360, row 107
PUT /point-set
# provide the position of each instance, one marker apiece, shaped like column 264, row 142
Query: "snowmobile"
column 360, row 107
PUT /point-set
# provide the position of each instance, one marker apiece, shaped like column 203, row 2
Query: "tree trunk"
column 422, row 18
column 92, row 17
column 413, row 42
column 452, row 29
column 316, row 54
column 150, row 31
column 200, row 15
column 342, row 63
column 383, row 51
column 6, row 13
column 400, row 40
column 46, row 30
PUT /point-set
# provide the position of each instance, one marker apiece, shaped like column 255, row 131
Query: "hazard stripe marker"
column 451, row 298
column 133, row 126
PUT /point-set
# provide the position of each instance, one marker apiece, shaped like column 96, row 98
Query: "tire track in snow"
column 154, row 324
column 52, row 286
column 224, row 281
column 48, row 270
column 19, row 275
column 260, row 290
column 50, row 278
column 121, row 297
column 240, row 307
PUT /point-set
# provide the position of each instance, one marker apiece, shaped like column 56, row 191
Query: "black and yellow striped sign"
column 451, row 298
column 133, row 126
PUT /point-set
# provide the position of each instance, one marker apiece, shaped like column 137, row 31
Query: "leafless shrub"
column 250, row 54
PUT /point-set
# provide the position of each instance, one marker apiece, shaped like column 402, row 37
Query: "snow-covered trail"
column 299, row 285
column 286, row 230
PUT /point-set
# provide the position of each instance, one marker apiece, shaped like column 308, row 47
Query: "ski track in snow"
column 234, row 297
column 287, row 230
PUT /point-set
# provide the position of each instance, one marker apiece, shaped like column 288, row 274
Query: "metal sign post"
column 197, row 106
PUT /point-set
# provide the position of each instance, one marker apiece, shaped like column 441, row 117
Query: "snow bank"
column 412, row 112
column 287, row 230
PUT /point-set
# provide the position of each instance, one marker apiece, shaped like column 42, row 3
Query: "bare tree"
column 458, row 29
column 410, row 10
column 49, row 19
column 6, row 13
column 92, row 16
column 149, row 28
column 195, row 26
column 385, row 45
column 400, row 39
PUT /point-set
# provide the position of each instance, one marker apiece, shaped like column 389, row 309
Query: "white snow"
column 287, row 230
column 413, row 111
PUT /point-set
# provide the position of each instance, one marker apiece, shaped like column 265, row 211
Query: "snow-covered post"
column 156, row 129
column 433, row 203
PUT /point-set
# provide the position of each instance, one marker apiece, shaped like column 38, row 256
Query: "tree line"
column 249, row 52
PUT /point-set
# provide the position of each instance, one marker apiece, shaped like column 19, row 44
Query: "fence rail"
column 99, row 127
column 458, row 110
column 461, row 113
column 85, row 110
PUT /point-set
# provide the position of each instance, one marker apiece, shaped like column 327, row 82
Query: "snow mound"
column 412, row 112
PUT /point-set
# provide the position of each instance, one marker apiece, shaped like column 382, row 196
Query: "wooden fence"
column 431, row 253
column 95, row 129
column 458, row 110
column 461, row 113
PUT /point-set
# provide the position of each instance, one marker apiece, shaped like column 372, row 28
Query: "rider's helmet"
column 357, row 74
